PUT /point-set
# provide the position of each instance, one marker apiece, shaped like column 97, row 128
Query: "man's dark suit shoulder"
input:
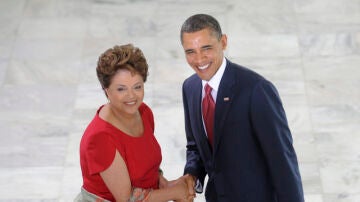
column 243, row 75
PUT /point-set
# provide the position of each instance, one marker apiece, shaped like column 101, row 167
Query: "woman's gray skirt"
column 85, row 196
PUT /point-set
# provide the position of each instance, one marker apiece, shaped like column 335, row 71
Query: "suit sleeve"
column 272, row 130
column 194, row 164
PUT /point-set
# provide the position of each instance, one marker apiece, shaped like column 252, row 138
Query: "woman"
column 119, row 154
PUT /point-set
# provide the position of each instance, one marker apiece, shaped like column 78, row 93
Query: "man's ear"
column 224, row 41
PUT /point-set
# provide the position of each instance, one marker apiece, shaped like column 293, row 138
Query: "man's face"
column 204, row 52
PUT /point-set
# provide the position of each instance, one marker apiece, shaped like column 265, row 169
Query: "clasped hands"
column 184, row 186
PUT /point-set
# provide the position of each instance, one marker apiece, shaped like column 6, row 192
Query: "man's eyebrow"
column 207, row 46
column 189, row 50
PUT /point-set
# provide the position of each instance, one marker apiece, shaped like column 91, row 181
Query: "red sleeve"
column 100, row 152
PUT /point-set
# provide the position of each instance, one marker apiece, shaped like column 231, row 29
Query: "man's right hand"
column 190, row 181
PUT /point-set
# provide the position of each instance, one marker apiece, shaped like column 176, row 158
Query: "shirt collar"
column 214, row 82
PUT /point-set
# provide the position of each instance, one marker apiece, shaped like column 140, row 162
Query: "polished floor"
column 310, row 49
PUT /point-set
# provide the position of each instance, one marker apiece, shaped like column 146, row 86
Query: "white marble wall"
column 310, row 49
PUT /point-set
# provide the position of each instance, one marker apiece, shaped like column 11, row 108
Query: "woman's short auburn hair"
column 121, row 57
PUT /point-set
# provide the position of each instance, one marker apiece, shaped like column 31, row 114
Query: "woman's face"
column 126, row 92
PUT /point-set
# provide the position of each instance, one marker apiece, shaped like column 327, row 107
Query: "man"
column 246, row 148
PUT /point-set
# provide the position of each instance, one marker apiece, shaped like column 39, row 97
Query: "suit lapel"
column 223, row 103
column 200, row 135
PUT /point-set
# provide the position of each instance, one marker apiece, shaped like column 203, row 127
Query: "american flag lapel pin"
column 226, row 99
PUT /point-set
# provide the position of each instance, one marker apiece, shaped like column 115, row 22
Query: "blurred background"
column 310, row 50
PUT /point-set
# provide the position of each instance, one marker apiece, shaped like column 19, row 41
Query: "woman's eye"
column 121, row 89
column 138, row 87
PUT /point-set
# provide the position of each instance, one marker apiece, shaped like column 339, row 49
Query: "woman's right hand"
column 182, row 190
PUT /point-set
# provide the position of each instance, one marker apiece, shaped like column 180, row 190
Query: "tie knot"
column 207, row 89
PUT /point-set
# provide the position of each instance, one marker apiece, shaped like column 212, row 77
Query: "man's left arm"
column 273, row 133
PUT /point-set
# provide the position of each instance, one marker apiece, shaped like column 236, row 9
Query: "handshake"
column 181, row 189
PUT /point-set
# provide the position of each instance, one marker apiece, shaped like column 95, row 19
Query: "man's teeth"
column 203, row 67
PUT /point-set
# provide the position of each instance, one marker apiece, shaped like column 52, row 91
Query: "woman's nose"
column 131, row 93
